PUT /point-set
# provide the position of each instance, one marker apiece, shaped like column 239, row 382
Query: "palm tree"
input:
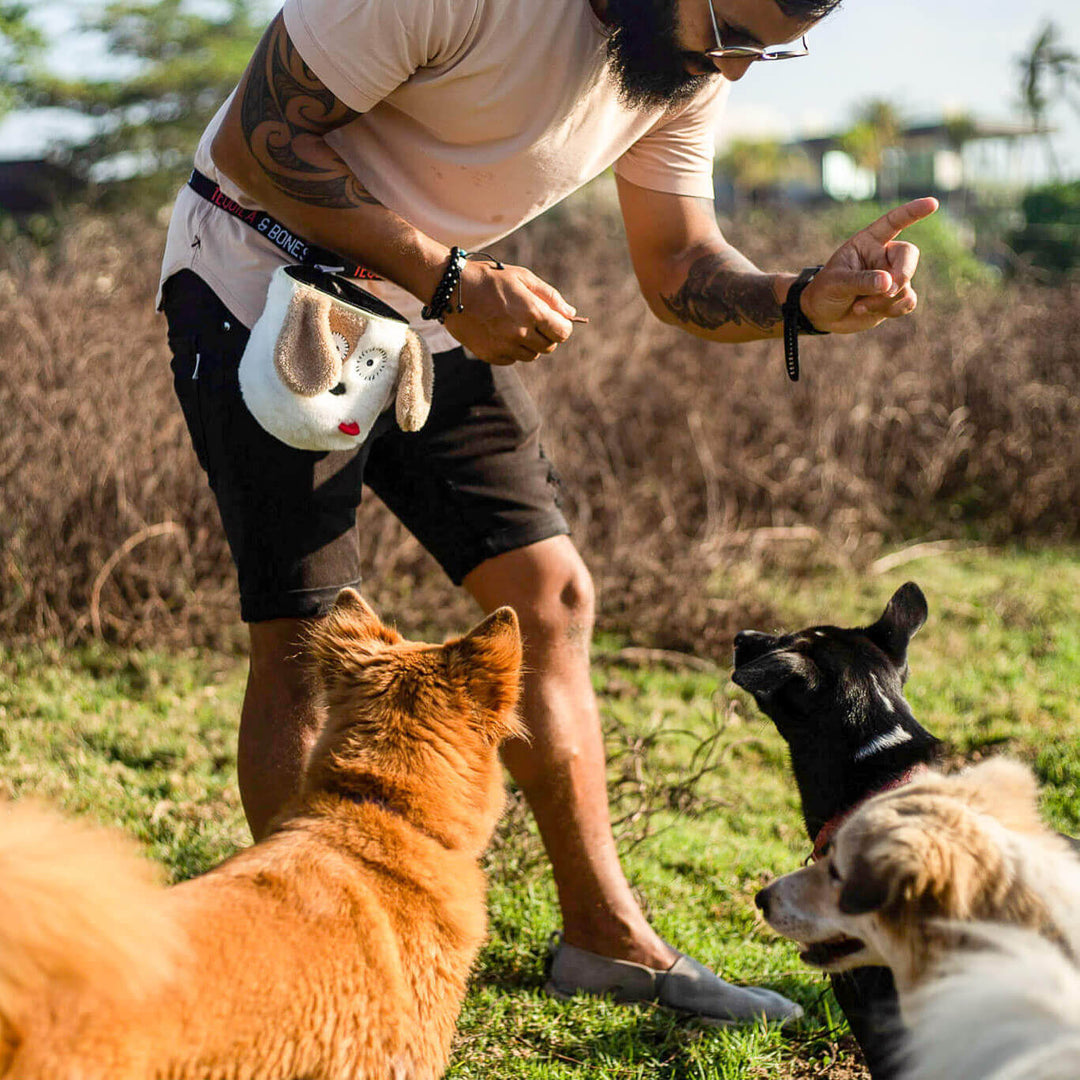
column 877, row 129
column 20, row 44
column 1049, row 71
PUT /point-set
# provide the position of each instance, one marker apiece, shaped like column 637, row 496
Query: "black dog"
column 836, row 696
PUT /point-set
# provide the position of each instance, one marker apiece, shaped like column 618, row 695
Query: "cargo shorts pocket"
column 190, row 391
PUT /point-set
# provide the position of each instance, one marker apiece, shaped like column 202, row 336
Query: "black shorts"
column 473, row 483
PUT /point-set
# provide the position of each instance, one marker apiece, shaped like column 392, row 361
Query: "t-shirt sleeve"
column 362, row 50
column 676, row 155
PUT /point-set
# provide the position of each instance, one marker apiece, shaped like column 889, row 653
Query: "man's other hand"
column 510, row 315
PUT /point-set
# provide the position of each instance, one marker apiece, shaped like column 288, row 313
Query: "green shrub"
column 1050, row 237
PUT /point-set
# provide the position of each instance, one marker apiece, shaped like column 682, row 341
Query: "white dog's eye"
column 834, row 874
column 370, row 362
column 341, row 343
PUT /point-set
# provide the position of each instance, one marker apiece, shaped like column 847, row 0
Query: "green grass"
column 699, row 780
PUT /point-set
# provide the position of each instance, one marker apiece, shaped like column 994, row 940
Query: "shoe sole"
column 552, row 991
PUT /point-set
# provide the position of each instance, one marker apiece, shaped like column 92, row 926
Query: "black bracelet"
column 796, row 322
column 441, row 304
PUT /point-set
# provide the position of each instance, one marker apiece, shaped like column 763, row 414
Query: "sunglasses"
column 751, row 52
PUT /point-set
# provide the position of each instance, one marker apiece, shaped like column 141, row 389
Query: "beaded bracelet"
column 441, row 305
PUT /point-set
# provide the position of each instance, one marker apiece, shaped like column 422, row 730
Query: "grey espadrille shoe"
column 686, row 986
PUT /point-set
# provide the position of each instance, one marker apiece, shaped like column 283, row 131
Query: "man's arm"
column 272, row 145
column 693, row 278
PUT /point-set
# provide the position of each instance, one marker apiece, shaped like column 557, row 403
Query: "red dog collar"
column 826, row 832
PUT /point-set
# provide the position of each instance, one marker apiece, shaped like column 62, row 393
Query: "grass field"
column 701, row 791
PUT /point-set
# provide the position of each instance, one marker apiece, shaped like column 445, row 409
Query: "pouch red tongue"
column 351, row 428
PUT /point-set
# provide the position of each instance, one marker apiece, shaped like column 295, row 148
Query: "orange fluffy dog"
column 338, row 947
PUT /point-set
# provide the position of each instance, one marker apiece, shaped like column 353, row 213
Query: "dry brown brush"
column 679, row 460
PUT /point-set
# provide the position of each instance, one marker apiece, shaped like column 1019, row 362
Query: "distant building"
column 952, row 159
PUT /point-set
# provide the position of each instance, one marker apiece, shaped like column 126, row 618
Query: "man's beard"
column 645, row 56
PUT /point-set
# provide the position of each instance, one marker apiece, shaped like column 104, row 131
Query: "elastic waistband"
column 284, row 239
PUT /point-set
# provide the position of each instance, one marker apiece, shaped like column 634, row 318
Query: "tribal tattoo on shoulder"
column 718, row 291
column 284, row 112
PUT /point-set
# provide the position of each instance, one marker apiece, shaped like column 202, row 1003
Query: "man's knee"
column 548, row 585
column 561, row 609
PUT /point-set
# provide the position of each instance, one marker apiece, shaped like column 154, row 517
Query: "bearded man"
column 399, row 135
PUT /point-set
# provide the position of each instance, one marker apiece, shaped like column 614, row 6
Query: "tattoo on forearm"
column 717, row 292
column 283, row 113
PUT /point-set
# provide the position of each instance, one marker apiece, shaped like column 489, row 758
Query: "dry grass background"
column 681, row 461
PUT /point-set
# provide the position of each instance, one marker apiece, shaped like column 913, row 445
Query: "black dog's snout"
column 762, row 901
column 750, row 644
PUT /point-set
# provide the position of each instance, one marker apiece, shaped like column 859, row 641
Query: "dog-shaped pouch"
column 326, row 358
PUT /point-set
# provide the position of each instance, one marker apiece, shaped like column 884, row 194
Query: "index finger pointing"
column 890, row 225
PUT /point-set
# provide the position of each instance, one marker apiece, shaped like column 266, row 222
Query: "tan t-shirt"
column 477, row 115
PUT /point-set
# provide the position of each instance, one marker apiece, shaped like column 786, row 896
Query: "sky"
column 926, row 57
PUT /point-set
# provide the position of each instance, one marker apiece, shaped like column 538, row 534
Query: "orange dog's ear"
column 351, row 605
column 488, row 660
column 350, row 630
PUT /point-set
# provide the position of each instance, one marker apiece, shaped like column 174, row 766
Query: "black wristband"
column 440, row 303
column 795, row 322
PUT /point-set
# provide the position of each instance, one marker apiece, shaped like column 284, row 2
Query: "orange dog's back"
column 339, row 947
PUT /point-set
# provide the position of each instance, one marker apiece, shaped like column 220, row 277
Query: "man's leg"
column 278, row 722
column 562, row 770
column 563, row 775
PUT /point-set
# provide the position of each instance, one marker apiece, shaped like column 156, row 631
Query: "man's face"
column 657, row 47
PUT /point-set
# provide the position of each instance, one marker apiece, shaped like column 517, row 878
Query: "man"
column 386, row 131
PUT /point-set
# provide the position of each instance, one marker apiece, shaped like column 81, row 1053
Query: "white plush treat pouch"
column 325, row 358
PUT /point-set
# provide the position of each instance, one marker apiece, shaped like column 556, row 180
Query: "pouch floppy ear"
column 415, row 380
column 305, row 355
column 903, row 616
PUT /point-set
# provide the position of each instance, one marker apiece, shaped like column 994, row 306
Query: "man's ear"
column 903, row 616
column 764, row 676
column 415, row 380
column 305, row 356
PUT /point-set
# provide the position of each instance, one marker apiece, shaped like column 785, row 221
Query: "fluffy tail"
column 78, row 907
column 1010, row 1011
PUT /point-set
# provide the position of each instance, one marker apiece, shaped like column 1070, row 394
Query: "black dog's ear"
column 765, row 675
column 903, row 616
column 864, row 890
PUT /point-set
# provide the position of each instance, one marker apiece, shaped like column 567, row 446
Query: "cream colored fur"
column 912, row 866
column 1009, row 1010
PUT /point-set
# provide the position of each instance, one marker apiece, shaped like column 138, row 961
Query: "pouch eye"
column 341, row 343
column 370, row 362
